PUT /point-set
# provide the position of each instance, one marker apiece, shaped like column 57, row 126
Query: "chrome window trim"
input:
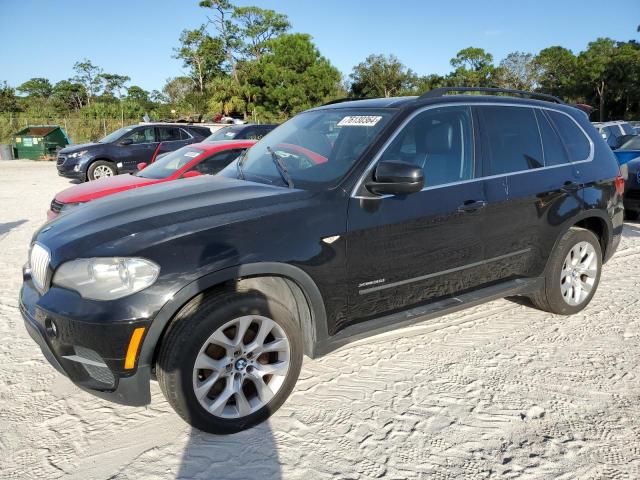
column 386, row 145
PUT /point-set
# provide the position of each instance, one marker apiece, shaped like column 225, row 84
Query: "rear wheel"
column 572, row 275
column 101, row 169
column 228, row 361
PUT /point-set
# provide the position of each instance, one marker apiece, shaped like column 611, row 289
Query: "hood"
column 102, row 187
column 77, row 148
column 129, row 222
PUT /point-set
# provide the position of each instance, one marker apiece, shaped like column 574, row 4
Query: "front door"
column 141, row 149
column 410, row 249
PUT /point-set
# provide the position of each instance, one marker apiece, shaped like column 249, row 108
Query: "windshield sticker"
column 359, row 121
column 192, row 154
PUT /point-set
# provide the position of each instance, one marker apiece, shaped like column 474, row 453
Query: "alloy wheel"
column 241, row 366
column 102, row 171
column 579, row 273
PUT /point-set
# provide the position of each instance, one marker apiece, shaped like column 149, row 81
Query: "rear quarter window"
column 574, row 138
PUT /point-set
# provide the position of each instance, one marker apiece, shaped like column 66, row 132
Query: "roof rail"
column 440, row 92
column 340, row 100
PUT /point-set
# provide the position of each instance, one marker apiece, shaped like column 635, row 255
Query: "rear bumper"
column 77, row 350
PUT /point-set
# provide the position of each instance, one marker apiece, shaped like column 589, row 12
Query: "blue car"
column 615, row 133
column 628, row 151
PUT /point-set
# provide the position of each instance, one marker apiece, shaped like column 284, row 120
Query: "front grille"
column 61, row 160
column 99, row 373
column 56, row 206
column 39, row 263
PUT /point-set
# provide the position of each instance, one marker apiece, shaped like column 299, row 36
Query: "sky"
column 43, row 38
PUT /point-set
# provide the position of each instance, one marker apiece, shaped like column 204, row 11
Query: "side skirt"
column 519, row 286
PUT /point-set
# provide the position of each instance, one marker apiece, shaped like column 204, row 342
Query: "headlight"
column 77, row 154
column 106, row 278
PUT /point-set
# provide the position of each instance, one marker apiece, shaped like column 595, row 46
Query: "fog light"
column 76, row 168
column 51, row 327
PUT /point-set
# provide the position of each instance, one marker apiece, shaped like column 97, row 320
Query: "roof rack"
column 441, row 92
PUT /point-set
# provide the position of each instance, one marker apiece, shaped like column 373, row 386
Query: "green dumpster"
column 37, row 141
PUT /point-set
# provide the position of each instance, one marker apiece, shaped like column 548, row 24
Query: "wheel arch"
column 290, row 285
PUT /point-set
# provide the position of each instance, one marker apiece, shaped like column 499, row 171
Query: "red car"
column 190, row 161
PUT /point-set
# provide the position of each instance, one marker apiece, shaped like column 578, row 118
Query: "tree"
column 113, row 84
column 594, row 69
column 557, row 72
column 176, row 89
column 292, row 76
column 202, row 54
column 227, row 31
column 138, row 94
column 518, row 71
column 257, row 26
column 71, row 93
column 473, row 68
column 381, row 76
column 88, row 75
column 36, row 87
column 8, row 101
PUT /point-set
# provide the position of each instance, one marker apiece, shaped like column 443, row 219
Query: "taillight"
column 619, row 185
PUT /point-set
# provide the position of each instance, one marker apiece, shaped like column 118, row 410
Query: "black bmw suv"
column 121, row 151
column 347, row 220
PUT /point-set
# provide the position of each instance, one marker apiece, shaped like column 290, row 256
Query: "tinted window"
column 554, row 151
column 217, row 161
column 511, row 138
column 184, row 135
column 169, row 134
column 573, row 137
column 440, row 141
column 143, row 135
column 627, row 129
column 632, row 144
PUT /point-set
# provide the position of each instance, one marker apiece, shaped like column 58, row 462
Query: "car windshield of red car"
column 170, row 163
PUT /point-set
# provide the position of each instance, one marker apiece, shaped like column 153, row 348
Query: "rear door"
column 405, row 250
column 531, row 187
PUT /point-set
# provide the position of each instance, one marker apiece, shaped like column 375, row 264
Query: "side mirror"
column 126, row 141
column 141, row 165
column 396, row 178
column 191, row 174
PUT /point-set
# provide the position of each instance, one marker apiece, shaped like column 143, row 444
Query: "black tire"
column 188, row 332
column 100, row 163
column 549, row 297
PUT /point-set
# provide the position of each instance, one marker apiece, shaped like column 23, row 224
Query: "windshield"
column 225, row 133
column 113, row 136
column 317, row 148
column 631, row 144
column 170, row 163
column 627, row 129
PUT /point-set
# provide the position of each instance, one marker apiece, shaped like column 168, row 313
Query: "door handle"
column 471, row 206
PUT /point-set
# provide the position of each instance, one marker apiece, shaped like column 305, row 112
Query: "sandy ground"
column 499, row 391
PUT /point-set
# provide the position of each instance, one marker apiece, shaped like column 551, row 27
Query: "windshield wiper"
column 282, row 168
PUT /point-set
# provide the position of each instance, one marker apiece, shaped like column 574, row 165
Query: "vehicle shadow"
column 249, row 454
column 7, row 227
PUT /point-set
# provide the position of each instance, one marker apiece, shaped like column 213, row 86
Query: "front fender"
column 317, row 330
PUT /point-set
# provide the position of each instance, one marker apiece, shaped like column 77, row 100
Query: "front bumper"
column 87, row 349
column 66, row 169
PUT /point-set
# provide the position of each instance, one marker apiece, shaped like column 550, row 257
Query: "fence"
column 79, row 129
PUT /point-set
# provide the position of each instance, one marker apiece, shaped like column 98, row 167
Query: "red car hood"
column 102, row 187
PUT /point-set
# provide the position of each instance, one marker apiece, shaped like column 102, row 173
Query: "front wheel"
column 573, row 273
column 229, row 360
column 101, row 169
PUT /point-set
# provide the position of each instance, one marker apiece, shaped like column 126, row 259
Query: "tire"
column 561, row 293
column 189, row 339
column 101, row 169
